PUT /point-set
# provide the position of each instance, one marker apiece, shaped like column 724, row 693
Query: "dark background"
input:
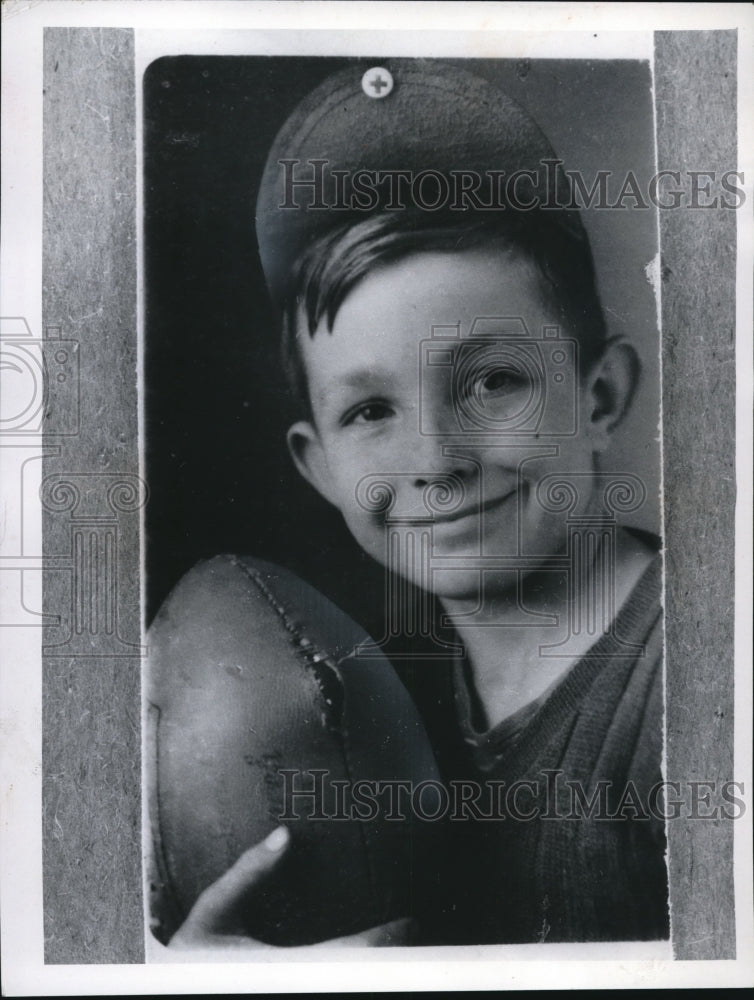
column 215, row 406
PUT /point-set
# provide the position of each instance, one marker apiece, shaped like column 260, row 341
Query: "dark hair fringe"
column 554, row 240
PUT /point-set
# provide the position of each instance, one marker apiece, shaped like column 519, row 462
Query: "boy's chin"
column 471, row 587
column 477, row 590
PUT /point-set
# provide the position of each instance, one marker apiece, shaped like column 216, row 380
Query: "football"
column 266, row 704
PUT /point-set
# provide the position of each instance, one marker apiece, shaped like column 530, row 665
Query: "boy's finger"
column 216, row 906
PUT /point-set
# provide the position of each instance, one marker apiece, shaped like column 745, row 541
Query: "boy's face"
column 384, row 410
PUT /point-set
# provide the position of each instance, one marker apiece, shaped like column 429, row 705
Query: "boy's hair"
column 554, row 241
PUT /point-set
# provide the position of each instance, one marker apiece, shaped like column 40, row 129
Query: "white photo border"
column 21, row 684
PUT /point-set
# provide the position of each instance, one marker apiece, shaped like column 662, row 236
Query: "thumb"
column 216, row 908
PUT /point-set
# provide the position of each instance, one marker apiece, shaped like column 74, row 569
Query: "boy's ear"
column 309, row 458
column 611, row 385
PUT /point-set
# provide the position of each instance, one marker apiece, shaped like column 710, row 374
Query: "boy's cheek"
column 359, row 475
column 368, row 533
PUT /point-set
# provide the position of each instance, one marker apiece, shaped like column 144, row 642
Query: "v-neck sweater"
column 573, row 848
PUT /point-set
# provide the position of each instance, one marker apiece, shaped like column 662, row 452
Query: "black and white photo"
column 376, row 447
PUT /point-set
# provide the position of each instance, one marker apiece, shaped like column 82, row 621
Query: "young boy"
column 444, row 337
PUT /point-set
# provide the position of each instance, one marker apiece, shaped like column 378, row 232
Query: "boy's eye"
column 501, row 380
column 368, row 413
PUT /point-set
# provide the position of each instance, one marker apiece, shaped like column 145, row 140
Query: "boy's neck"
column 506, row 667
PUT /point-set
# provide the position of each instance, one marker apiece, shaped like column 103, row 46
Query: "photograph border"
column 92, row 493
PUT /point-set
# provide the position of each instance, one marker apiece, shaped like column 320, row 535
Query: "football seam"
column 315, row 658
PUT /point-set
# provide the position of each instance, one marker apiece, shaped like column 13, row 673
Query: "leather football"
column 262, row 708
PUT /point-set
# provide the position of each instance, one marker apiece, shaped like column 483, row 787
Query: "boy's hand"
column 214, row 921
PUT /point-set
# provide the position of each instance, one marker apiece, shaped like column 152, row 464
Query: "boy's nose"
column 443, row 481
column 435, row 460
column 438, row 476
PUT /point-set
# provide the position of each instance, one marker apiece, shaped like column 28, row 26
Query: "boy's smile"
column 388, row 410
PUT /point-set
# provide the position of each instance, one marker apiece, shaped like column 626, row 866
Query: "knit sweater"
column 566, row 840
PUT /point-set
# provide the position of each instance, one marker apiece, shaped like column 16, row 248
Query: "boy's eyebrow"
column 360, row 378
